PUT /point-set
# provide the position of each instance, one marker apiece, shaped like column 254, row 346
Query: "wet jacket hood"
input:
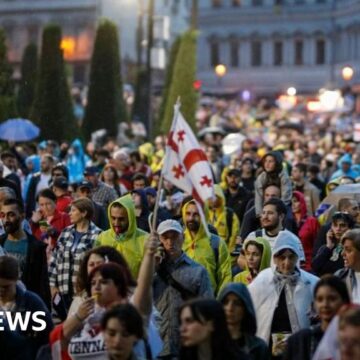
column 201, row 232
column 266, row 252
column 144, row 202
column 240, row 290
column 278, row 158
column 300, row 197
column 127, row 203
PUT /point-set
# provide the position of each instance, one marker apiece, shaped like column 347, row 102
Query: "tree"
column 52, row 109
column 167, row 83
column 26, row 92
column 105, row 107
column 182, row 82
column 7, row 98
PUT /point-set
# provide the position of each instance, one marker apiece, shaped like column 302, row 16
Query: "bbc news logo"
column 21, row 320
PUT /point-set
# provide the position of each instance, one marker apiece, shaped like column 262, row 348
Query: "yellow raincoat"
column 131, row 243
column 200, row 250
column 217, row 218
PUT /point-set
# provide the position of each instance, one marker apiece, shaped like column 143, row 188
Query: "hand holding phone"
column 330, row 239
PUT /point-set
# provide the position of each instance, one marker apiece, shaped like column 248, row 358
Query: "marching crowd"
column 273, row 274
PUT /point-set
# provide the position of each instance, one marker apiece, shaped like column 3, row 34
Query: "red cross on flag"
column 185, row 163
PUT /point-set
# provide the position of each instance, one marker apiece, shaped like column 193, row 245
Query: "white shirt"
column 356, row 290
column 43, row 183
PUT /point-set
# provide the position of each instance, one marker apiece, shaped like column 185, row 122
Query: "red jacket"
column 63, row 203
column 308, row 228
column 59, row 222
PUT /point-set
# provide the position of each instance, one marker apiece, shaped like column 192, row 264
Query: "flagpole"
column 157, row 200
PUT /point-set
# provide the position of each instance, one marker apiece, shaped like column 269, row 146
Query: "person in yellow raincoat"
column 257, row 256
column 123, row 234
column 218, row 216
column 208, row 250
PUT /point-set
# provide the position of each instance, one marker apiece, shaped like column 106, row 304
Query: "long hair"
column 108, row 253
column 222, row 346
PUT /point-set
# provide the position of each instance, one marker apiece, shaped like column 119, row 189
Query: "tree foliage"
column 26, row 92
column 105, row 106
column 52, row 109
column 182, row 82
column 168, row 78
column 7, row 97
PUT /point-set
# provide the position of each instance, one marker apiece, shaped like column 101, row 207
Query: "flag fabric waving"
column 185, row 163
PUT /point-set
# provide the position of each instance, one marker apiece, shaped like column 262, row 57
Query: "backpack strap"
column 258, row 233
column 215, row 244
column 229, row 222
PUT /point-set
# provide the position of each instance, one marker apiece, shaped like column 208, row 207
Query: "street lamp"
column 291, row 91
column 347, row 73
column 220, row 71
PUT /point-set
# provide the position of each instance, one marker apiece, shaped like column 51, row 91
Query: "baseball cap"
column 91, row 171
column 168, row 225
column 85, row 184
column 150, row 191
column 234, row 172
column 60, row 182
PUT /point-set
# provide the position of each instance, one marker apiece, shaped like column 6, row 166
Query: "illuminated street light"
column 347, row 73
column 220, row 70
column 291, row 91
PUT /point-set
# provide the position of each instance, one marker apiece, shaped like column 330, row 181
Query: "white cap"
column 168, row 225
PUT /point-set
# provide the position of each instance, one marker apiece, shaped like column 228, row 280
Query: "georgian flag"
column 185, row 163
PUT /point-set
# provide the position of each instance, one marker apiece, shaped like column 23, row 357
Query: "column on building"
column 245, row 51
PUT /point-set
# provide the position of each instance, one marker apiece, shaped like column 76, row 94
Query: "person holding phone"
column 328, row 258
column 47, row 222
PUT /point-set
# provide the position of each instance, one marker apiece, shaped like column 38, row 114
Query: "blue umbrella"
column 18, row 130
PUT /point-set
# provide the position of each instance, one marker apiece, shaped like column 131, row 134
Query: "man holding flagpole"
column 187, row 167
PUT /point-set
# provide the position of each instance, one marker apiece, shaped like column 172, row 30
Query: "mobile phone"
column 43, row 223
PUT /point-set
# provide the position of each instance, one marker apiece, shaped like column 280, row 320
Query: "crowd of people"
column 274, row 273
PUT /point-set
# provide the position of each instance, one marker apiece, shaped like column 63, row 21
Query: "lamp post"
column 220, row 71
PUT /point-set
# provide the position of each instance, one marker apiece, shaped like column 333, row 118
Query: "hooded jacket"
column 200, row 250
column 279, row 176
column 245, row 276
column 265, row 293
column 76, row 162
column 130, row 243
column 339, row 173
column 253, row 346
column 142, row 220
column 308, row 228
column 218, row 218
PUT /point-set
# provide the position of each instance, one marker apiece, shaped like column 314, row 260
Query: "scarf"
column 288, row 283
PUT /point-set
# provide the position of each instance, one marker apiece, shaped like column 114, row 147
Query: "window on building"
column 299, row 2
column 299, row 52
column 278, row 53
column 216, row 3
column 278, row 2
column 257, row 2
column 234, row 54
column 214, row 54
column 236, row 2
column 256, row 56
column 320, row 52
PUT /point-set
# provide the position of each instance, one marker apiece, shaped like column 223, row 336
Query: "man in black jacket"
column 237, row 197
column 38, row 182
column 30, row 252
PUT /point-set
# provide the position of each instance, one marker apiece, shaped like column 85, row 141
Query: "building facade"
column 24, row 20
column 270, row 45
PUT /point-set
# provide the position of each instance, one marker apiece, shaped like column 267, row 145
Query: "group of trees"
column 44, row 96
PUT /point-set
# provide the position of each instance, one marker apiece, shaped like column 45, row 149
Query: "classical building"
column 24, row 20
column 270, row 45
